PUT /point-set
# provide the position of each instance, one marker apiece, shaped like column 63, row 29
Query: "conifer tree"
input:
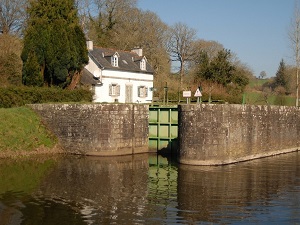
column 54, row 37
column 281, row 77
column 221, row 70
column 32, row 69
column 203, row 67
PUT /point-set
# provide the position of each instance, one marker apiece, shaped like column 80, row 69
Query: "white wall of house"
column 133, row 81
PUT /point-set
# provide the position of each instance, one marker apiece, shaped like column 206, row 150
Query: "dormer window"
column 114, row 60
column 143, row 64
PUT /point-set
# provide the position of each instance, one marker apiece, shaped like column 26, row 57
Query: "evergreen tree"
column 203, row 67
column 281, row 76
column 54, row 37
column 32, row 70
column 221, row 70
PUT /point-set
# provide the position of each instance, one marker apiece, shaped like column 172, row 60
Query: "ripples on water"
column 148, row 189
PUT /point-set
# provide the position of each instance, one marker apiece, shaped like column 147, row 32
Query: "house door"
column 128, row 93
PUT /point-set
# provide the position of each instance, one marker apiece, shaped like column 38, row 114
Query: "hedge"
column 19, row 96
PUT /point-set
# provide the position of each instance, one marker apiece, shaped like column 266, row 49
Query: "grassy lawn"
column 254, row 95
column 259, row 98
column 257, row 82
column 21, row 129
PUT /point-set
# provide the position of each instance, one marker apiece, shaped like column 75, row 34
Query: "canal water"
column 148, row 189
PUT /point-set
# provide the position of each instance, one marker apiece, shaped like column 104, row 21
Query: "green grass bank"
column 256, row 95
column 22, row 132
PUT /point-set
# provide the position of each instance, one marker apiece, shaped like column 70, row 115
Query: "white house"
column 118, row 76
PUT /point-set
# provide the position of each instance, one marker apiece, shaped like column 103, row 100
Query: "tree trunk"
column 297, row 87
column 75, row 80
column 181, row 74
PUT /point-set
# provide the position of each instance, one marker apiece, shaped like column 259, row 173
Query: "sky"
column 255, row 30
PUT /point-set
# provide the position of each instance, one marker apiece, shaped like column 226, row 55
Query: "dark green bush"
column 19, row 96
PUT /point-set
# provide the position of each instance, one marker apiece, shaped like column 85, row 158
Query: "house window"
column 114, row 90
column 114, row 60
column 143, row 64
column 142, row 91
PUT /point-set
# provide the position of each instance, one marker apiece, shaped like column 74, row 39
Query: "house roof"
column 88, row 78
column 127, row 61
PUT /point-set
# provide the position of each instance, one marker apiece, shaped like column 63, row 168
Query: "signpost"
column 187, row 95
column 198, row 94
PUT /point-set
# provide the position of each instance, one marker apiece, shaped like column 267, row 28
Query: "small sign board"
column 198, row 93
column 187, row 94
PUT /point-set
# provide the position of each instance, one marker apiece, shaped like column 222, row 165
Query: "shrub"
column 19, row 96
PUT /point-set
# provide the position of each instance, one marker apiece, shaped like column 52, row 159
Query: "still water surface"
column 148, row 189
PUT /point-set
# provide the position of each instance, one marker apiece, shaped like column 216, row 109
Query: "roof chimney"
column 90, row 45
column 138, row 51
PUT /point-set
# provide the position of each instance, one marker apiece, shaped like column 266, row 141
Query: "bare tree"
column 84, row 8
column 10, row 61
column 262, row 74
column 107, row 14
column 12, row 16
column 115, row 8
column 211, row 47
column 180, row 46
column 294, row 36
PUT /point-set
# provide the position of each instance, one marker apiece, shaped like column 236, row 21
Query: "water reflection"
column 239, row 192
column 18, row 208
column 162, row 190
column 148, row 189
column 18, row 204
column 24, row 175
column 109, row 189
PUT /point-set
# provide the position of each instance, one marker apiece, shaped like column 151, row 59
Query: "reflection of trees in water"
column 99, row 190
column 110, row 188
column 19, row 180
column 8, row 212
column 20, row 208
column 229, row 190
column 142, row 189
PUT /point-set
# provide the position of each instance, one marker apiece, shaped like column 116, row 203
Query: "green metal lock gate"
column 163, row 128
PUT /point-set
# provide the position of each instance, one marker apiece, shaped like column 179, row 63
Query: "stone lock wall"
column 223, row 134
column 98, row 129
